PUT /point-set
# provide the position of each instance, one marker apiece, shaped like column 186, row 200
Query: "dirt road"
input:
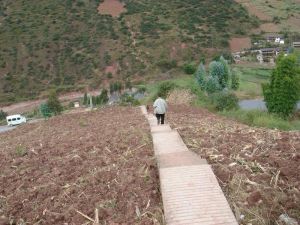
column 28, row 106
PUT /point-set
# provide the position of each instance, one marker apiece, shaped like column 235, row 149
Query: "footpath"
column 190, row 191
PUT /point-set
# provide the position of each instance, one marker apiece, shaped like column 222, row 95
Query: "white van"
column 15, row 120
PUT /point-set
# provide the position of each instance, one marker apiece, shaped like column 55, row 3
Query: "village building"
column 296, row 44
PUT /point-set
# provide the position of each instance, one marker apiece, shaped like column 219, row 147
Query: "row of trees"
column 96, row 100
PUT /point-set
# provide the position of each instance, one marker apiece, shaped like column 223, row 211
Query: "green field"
column 251, row 80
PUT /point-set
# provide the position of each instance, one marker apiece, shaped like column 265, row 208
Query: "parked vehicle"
column 15, row 120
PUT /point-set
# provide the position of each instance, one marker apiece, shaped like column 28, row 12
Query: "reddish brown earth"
column 239, row 44
column 258, row 169
column 111, row 7
column 80, row 162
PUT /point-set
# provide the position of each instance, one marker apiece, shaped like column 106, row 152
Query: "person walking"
column 160, row 108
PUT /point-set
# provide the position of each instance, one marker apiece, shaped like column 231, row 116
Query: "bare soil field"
column 239, row 44
column 269, row 27
column 111, row 7
column 57, row 171
column 258, row 169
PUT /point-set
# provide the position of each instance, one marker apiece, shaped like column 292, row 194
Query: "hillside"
column 69, row 45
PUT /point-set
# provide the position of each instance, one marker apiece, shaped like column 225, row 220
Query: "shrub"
column 164, row 89
column 45, row 111
column 235, row 81
column 3, row 115
column 21, row 151
column 53, row 103
column 189, row 68
column 115, row 87
column 281, row 93
column 224, row 100
column 127, row 99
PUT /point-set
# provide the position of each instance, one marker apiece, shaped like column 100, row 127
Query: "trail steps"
column 190, row 191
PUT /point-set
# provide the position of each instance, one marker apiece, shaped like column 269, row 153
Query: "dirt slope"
column 102, row 159
column 258, row 169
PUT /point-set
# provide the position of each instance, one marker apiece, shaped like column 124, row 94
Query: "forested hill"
column 67, row 44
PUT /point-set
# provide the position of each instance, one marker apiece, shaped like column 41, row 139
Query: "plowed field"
column 258, row 169
column 61, row 170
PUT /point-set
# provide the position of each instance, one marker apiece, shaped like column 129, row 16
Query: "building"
column 274, row 37
column 296, row 44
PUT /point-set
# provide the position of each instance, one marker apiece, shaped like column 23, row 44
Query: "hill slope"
column 68, row 44
column 80, row 161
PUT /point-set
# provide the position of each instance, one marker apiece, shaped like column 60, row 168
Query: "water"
column 256, row 104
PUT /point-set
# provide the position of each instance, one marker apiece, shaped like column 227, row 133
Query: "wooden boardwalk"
column 190, row 191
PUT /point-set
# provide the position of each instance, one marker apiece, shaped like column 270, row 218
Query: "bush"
column 45, row 111
column 3, row 115
column 224, row 100
column 189, row 68
column 235, row 81
column 164, row 89
column 127, row 99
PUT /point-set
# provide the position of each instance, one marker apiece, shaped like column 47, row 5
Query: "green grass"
column 251, row 80
column 262, row 119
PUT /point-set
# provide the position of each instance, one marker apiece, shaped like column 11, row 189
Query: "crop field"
column 257, row 168
column 61, row 170
column 286, row 14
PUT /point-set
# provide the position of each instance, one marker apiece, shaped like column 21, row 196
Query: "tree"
column 54, row 104
column 103, row 96
column 281, row 93
column 200, row 76
column 85, row 99
column 3, row 115
column 217, row 70
column 227, row 71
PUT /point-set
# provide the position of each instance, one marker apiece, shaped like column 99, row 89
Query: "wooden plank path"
column 190, row 191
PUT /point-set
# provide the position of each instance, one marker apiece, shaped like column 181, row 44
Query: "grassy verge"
column 262, row 119
column 252, row 118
